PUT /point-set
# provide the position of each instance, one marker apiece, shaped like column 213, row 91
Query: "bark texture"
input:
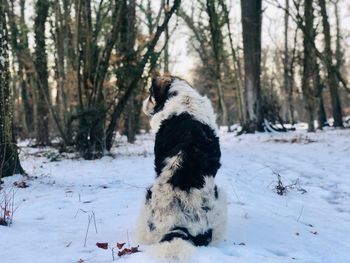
column 251, row 22
column 9, row 161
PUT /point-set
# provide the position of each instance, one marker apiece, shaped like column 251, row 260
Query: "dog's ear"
column 155, row 74
column 160, row 88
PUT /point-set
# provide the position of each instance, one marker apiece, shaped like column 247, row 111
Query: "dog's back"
column 183, row 206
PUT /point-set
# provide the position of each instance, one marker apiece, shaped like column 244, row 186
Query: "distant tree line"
column 301, row 80
column 95, row 78
column 77, row 70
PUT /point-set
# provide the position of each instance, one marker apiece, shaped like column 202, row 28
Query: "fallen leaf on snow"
column 120, row 245
column 128, row 251
column 102, row 245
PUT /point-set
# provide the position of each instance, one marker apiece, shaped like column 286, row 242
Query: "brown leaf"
column 120, row 245
column 135, row 249
column 128, row 251
column 102, row 245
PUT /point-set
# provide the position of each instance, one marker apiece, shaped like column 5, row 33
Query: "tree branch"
column 138, row 74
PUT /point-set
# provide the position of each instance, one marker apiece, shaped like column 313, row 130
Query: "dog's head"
column 159, row 93
column 170, row 96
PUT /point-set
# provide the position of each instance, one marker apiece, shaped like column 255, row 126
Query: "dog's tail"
column 179, row 244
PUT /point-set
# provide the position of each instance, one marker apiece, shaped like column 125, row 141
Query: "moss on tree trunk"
column 9, row 161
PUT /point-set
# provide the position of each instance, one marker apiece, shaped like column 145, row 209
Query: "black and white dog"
column 183, row 208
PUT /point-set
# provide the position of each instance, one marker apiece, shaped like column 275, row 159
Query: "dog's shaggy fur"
column 183, row 207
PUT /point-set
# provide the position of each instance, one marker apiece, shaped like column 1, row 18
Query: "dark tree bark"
column 332, row 80
column 9, row 161
column 321, row 112
column 251, row 22
column 26, row 89
column 20, row 48
column 68, row 35
column 42, row 129
column 125, row 71
column 27, row 98
column 338, row 52
column 309, row 70
column 217, row 45
column 237, row 73
column 58, row 36
column 166, row 36
column 287, row 82
column 291, row 77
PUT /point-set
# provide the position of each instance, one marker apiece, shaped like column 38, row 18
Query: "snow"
column 50, row 226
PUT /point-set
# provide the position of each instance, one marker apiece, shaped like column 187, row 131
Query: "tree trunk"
column 27, row 99
column 237, row 74
column 120, row 106
column 9, row 161
column 321, row 112
column 166, row 48
column 130, row 120
column 251, row 23
column 126, row 49
column 25, row 88
column 20, row 47
column 93, row 61
column 42, row 136
column 308, row 80
column 332, row 80
column 58, row 36
column 338, row 52
column 291, row 77
column 286, row 70
column 218, row 50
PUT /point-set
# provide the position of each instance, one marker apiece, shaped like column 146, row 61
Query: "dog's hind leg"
column 145, row 225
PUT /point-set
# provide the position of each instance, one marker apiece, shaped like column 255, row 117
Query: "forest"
column 74, row 73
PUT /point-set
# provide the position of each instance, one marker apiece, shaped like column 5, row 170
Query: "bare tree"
column 58, row 34
column 217, row 44
column 332, row 80
column 308, row 81
column 288, row 88
column 42, row 129
column 166, row 36
column 251, row 22
column 319, row 87
column 338, row 51
column 237, row 72
column 122, row 102
column 9, row 161
column 126, row 67
column 23, row 56
column 92, row 67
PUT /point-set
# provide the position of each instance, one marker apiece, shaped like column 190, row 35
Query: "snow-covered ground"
column 51, row 221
